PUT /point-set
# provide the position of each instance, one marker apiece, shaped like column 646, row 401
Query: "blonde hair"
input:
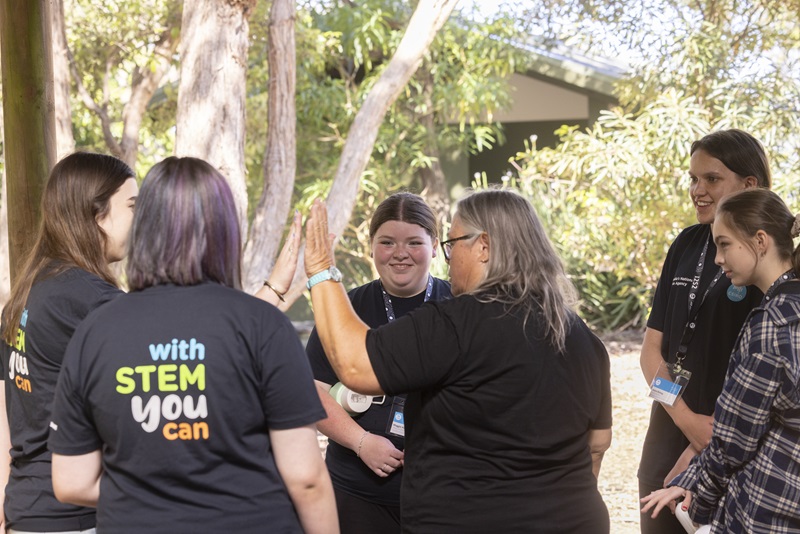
column 523, row 271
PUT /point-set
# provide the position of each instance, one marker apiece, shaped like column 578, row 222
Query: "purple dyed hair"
column 185, row 230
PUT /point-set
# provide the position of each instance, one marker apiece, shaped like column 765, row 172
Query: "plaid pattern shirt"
column 748, row 478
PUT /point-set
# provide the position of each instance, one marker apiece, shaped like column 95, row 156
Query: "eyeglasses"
column 447, row 246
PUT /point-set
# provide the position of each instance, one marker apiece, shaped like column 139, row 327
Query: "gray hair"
column 524, row 271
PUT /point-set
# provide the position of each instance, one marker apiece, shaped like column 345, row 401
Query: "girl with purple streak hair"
column 187, row 398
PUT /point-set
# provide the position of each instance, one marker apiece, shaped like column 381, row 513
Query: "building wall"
column 541, row 106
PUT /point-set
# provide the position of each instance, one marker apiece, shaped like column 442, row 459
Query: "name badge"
column 669, row 383
column 396, row 426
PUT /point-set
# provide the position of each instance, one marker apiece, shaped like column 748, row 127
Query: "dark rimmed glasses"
column 447, row 246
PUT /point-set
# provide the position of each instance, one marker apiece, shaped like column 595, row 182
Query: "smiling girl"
column 696, row 314
column 365, row 454
column 748, row 479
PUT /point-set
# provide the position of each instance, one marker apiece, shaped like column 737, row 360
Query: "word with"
column 178, row 349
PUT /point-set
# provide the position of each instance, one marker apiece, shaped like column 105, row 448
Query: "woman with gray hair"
column 509, row 407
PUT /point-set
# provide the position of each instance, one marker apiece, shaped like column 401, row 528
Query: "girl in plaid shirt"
column 748, row 478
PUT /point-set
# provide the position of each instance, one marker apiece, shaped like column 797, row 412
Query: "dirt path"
column 618, row 483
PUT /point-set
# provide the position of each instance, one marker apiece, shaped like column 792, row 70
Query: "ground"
column 618, row 483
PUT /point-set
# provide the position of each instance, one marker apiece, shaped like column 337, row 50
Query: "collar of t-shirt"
column 404, row 305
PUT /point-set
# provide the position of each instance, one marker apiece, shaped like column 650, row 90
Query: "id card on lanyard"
column 396, row 425
column 671, row 378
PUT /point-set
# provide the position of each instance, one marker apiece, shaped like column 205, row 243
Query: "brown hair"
column 405, row 207
column 739, row 151
column 748, row 211
column 76, row 195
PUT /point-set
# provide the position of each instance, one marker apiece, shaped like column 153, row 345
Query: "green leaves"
column 616, row 195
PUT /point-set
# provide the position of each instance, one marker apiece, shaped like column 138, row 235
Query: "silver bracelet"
column 360, row 443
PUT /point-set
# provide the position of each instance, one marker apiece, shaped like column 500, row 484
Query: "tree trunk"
column 212, row 90
column 428, row 18
column 280, row 159
column 65, row 140
column 30, row 153
column 5, row 275
column 432, row 179
column 145, row 80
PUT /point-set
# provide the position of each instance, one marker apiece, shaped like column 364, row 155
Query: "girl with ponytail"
column 748, row 478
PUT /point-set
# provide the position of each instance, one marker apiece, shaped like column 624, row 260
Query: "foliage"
column 343, row 48
column 109, row 40
column 616, row 195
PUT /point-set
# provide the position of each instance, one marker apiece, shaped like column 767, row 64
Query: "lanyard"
column 694, row 305
column 387, row 300
column 788, row 275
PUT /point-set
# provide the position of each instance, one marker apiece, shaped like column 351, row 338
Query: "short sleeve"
column 72, row 431
column 320, row 366
column 604, row 418
column 658, row 313
column 417, row 351
column 289, row 397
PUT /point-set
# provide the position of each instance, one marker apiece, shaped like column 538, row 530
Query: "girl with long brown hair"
column 87, row 210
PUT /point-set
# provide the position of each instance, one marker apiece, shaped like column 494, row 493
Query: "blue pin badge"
column 736, row 293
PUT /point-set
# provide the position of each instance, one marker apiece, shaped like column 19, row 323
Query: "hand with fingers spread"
column 319, row 243
column 380, row 455
column 663, row 497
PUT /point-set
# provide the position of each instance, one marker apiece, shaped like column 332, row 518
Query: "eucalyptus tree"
column 120, row 53
column 446, row 105
column 29, row 149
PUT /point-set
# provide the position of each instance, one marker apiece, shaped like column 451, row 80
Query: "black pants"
column 665, row 523
column 357, row 516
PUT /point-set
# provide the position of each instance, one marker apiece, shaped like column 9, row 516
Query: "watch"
column 331, row 273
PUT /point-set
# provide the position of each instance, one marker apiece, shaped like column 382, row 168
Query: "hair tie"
column 796, row 226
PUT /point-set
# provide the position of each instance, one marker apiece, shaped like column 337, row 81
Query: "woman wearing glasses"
column 509, row 408
column 365, row 451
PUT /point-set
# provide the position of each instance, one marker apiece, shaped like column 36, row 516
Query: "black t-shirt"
column 348, row 473
column 30, row 369
column 496, row 421
column 179, row 387
column 718, row 323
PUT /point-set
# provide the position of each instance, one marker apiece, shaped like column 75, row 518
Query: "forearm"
column 338, row 426
column 306, row 478
column 5, row 448
column 76, row 479
column 343, row 336
column 272, row 295
column 599, row 442
column 696, row 428
column 316, row 505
